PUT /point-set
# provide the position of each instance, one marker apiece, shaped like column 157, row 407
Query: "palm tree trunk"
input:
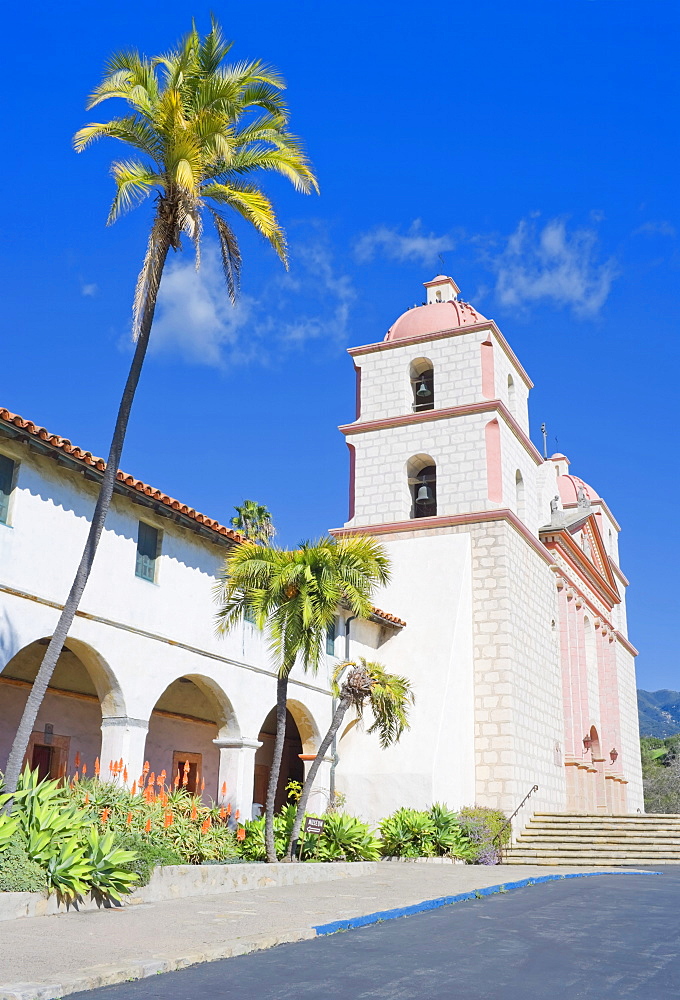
column 158, row 254
column 281, row 701
column 343, row 705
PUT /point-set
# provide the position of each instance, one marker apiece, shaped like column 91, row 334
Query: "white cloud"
column 89, row 291
column 552, row 264
column 658, row 228
column 195, row 319
column 413, row 245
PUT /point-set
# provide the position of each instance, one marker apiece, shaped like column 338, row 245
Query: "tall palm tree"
column 293, row 596
column 389, row 697
column 198, row 128
column 254, row 521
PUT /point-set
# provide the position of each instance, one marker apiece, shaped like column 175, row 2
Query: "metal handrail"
column 507, row 823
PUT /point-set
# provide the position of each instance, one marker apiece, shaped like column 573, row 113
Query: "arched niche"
column 292, row 767
column 83, row 689
column 421, row 375
column 512, row 398
column 421, row 473
column 520, row 496
column 189, row 715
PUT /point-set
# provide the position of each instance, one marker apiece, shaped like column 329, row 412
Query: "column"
column 236, row 773
column 123, row 738
column 319, row 798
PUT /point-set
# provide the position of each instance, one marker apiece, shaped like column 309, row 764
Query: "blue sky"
column 534, row 145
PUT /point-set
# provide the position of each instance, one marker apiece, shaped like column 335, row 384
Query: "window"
column 512, row 406
column 422, row 384
column 422, row 479
column 6, row 484
column 331, row 633
column 520, row 503
column 148, row 546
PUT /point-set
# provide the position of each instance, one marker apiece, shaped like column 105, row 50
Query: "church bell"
column 423, row 390
column 424, row 494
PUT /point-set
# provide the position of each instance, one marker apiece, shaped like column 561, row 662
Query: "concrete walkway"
column 49, row 957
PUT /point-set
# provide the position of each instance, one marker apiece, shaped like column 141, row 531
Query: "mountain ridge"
column 659, row 712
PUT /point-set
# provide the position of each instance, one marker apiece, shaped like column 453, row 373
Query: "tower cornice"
column 388, row 345
column 486, row 406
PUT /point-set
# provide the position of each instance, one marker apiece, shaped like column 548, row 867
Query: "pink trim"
column 492, row 406
column 386, row 345
column 626, row 643
column 450, row 520
column 352, row 479
column 488, row 375
column 358, row 393
column 494, row 469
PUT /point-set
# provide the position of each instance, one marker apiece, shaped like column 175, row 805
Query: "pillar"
column 319, row 798
column 236, row 773
column 123, row 738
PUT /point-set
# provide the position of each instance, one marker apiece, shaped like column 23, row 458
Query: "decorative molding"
column 449, row 412
column 237, row 743
column 450, row 521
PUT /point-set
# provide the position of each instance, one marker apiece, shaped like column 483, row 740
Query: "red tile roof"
column 88, row 459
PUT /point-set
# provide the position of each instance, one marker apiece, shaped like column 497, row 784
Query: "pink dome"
column 436, row 317
column 569, row 487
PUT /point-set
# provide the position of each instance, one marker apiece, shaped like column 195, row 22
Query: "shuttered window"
column 330, row 638
column 6, row 483
column 147, row 551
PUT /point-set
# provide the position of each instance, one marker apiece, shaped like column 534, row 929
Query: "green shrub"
column 344, row 838
column 17, row 872
column 413, row 833
column 481, row 825
column 150, row 852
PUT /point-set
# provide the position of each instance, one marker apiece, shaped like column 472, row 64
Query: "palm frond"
column 134, row 182
column 229, row 252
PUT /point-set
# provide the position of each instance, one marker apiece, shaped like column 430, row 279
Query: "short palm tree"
column 293, row 596
column 254, row 521
column 367, row 684
column 198, row 130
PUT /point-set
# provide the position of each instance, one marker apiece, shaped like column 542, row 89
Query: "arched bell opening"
column 67, row 732
column 190, row 714
column 422, row 479
column 520, row 496
column 421, row 373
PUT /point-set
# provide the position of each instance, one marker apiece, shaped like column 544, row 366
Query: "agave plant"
column 107, row 876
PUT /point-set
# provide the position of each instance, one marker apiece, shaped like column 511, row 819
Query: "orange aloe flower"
column 84, row 770
column 129, row 818
column 237, row 814
column 185, row 779
column 224, row 788
column 194, row 811
column 152, row 778
column 96, row 766
column 206, row 825
column 147, row 825
column 75, row 778
column 241, row 833
column 228, row 808
column 160, row 780
column 76, row 759
column 125, row 775
column 105, row 814
column 176, row 780
column 133, row 790
column 146, row 768
column 110, row 767
column 223, row 812
column 202, row 784
column 87, row 799
column 120, row 764
column 167, row 820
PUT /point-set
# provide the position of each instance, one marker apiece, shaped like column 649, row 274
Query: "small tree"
column 293, row 596
column 389, row 697
column 254, row 521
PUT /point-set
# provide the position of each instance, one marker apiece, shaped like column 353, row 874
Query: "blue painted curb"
column 435, row 904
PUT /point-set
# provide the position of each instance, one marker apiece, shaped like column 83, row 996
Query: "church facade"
column 506, row 606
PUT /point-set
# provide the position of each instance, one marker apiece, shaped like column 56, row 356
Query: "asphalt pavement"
column 602, row 938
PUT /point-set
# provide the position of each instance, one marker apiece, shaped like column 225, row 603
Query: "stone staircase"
column 577, row 839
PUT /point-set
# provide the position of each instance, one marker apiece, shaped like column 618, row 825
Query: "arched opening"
column 292, row 767
column 422, row 479
column 520, row 496
column 191, row 713
column 512, row 401
column 68, row 726
column 595, row 743
column 421, row 373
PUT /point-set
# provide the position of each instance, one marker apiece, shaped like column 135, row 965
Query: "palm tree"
column 293, row 596
column 254, row 521
column 389, row 697
column 201, row 127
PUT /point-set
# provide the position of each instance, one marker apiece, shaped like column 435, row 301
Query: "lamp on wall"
column 613, row 753
column 587, row 743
